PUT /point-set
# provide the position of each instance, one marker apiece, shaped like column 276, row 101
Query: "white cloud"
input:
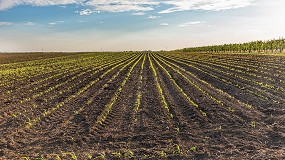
column 20, row 23
column 153, row 17
column 210, row 5
column 138, row 13
column 100, row 5
column 138, row 6
column 122, row 2
column 164, row 24
column 55, row 23
column 122, row 8
column 29, row 24
column 190, row 24
column 122, row 5
column 87, row 12
column 5, row 23
column 6, row 4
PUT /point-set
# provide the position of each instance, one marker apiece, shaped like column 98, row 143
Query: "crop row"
column 251, row 86
column 81, row 90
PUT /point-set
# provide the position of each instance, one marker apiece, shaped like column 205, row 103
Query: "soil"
column 53, row 113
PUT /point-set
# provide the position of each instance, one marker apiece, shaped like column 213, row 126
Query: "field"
column 142, row 105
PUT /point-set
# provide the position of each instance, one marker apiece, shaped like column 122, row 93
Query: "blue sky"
column 116, row 25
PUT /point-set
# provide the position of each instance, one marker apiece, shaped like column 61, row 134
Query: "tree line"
column 273, row 46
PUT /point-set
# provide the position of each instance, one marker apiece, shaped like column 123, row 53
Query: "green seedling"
column 253, row 124
column 162, row 154
column 194, row 149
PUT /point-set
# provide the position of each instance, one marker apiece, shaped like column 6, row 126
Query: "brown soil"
column 87, row 85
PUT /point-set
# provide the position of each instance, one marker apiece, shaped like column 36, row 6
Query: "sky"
column 123, row 25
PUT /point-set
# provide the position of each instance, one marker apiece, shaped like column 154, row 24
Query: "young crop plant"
column 232, row 71
column 251, row 69
column 162, row 154
column 37, row 70
column 117, row 154
column 73, row 96
column 224, row 80
column 221, row 92
column 54, row 87
column 177, row 149
column 65, row 73
column 163, row 100
column 139, row 94
column 101, row 156
column 129, row 154
column 194, row 148
column 143, row 105
column 70, row 155
column 191, row 82
column 108, row 108
column 253, row 124
column 184, row 95
column 252, row 81
column 90, row 100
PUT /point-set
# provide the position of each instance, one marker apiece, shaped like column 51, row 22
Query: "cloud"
column 138, row 6
column 210, row 5
column 122, row 8
column 164, row 24
column 20, row 23
column 122, row 5
column 152, row 17
column 6, row 23
column 99, row 5
column 171, row 5
column 87, row 12
column 55, row 23
column 190, row 24
column 6, row 4
column 138, row 13
column 29, row 24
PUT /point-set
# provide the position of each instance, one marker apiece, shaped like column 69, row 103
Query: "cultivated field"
column 142, row 105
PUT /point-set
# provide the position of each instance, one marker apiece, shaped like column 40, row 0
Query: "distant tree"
column 274, row 45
